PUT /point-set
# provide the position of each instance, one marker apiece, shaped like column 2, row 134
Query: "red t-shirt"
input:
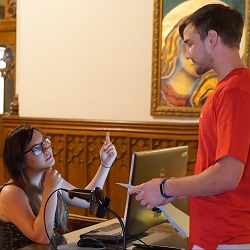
column 224, row 129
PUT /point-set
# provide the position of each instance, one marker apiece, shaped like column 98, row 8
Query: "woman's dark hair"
column 14, row 162
column 13, row 154
column 225, row 20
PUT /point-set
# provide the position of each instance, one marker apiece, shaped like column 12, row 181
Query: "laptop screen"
column 146, row 165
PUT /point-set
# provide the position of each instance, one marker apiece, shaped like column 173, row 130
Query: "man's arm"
column 221, row 177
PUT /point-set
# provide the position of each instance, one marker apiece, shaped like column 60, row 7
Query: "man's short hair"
column 225, row 20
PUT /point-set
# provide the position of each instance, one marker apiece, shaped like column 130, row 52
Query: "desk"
column 165, row 232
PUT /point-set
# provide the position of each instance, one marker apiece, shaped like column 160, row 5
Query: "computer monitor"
column 146, row 165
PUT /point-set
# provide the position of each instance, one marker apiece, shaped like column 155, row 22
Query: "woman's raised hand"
column 108, row 152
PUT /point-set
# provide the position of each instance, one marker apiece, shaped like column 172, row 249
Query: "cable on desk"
column 122, row 226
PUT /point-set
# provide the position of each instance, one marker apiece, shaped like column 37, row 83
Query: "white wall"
column 85, row 59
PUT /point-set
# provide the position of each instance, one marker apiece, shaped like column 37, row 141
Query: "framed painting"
column 176, row 89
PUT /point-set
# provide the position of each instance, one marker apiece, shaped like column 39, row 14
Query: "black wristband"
column 105, row 166
column 163, row 194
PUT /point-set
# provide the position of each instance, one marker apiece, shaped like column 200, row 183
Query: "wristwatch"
column 163, row 194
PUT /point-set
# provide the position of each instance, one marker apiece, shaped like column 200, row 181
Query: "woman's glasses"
column 38, row 148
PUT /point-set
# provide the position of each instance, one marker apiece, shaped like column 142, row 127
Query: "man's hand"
column 149, row 194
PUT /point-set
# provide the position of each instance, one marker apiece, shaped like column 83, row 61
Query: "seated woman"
column 28, row 158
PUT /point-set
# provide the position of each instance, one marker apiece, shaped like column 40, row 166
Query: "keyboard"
column 111, row 233
column 107, row 228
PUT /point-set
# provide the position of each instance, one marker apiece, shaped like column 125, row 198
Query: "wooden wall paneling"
column 2, row 172
column 76, row 145
column 76, row 164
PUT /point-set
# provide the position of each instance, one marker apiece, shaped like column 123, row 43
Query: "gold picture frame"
column 159, row 107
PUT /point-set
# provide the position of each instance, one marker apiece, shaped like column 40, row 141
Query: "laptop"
column 145, row 165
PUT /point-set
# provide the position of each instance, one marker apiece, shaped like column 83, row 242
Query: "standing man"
column 220, row 189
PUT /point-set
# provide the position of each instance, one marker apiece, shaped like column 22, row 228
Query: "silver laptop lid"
column 146, row 165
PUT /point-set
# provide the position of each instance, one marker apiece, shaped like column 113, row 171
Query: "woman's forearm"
column 39, row 226
column 99, row 178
